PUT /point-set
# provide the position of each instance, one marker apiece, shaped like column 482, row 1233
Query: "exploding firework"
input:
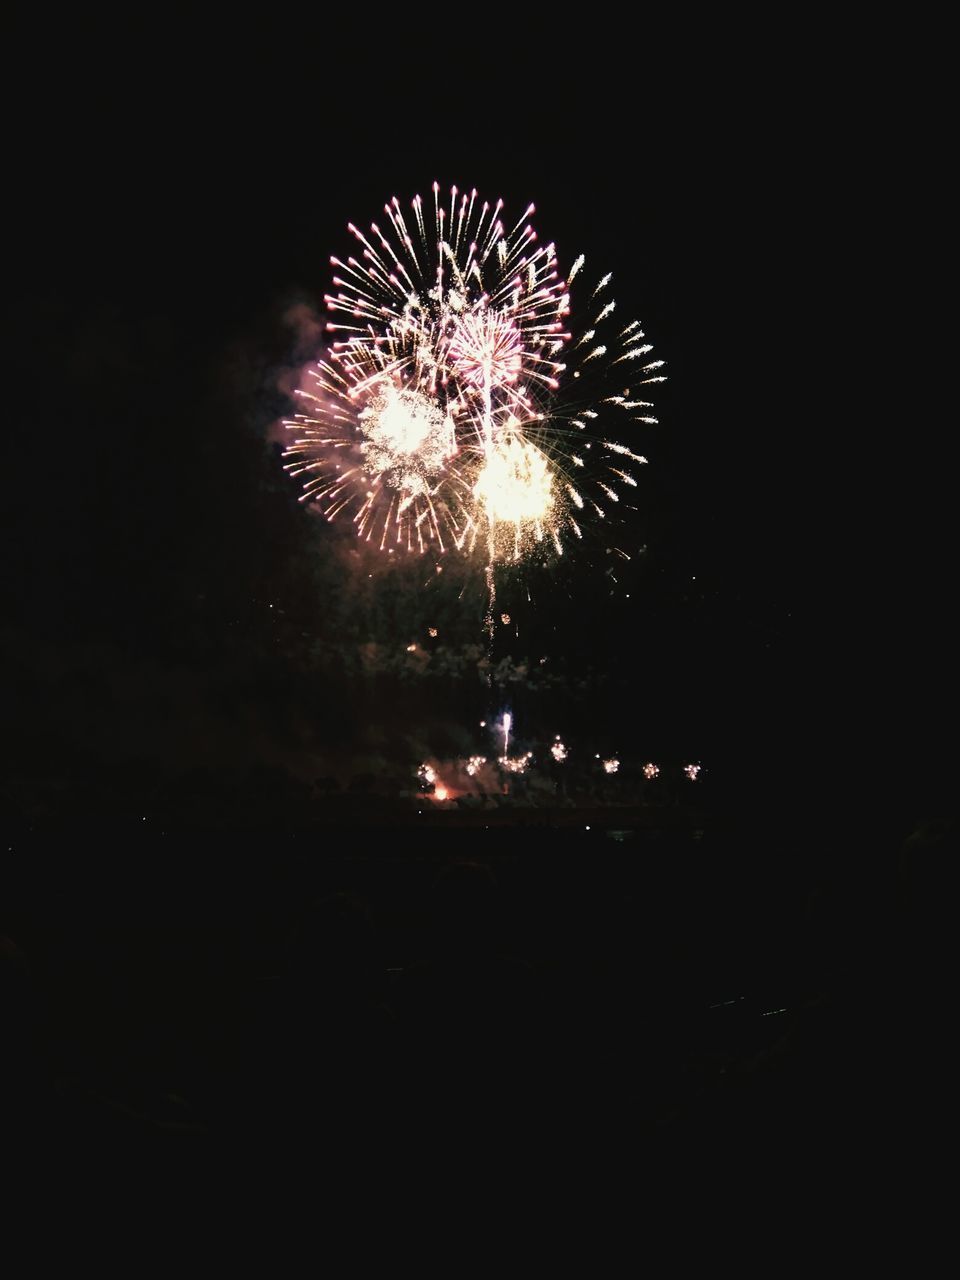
column 427, row 774
column 611, row 766
column 692, row 771
column 651, row 771
column 429, row 777
column 558, row 750
column 516, row 764
column 456, row 405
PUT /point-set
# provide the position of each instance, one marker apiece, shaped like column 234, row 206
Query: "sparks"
column 515, row 764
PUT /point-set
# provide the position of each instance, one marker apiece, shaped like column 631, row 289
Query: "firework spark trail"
column 444, row 413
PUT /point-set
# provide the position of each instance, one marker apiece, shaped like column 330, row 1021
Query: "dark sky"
column 165, row 586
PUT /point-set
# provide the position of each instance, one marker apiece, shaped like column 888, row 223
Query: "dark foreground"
column 658, row 989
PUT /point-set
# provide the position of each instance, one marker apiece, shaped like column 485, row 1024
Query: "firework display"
column 459, row 405
column 516, row 764
column 427, row 775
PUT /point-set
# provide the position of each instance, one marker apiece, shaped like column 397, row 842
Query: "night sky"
column 171, row 606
